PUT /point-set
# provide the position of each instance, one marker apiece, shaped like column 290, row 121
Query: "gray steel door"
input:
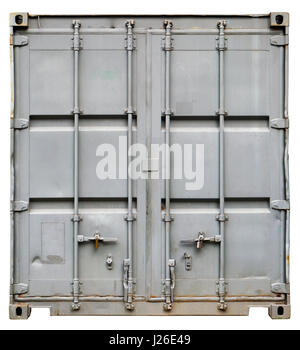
column 213, row 237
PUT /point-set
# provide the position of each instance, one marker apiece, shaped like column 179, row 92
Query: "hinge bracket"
column 76, row 218
column 280, row 123
column 221, row 43
column 77, row 40
column 76, row 111
column 280, row 205
column 221, row 287
column 221, row 112
column 130, row 110
column 19, row 124
column 167, row 40
column 131, row 217
column 130, row 43
column 167, row 43
column 222, row 218
column 279, row 40
column 20, row 206
column 167, row 112
column 280, row 288
column 19, row 288
column 19, row 40
column 167, row 218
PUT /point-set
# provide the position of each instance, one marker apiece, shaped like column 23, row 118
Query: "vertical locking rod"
column 128, row 273
column 221, row 45
column 169, row 263
column 76, row 284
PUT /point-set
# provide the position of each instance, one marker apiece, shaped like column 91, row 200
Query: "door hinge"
column 279, row 40
column 18, row 288
column 19, row 124
column 20, row 206
column 19, row 40
column 280, row 123
column 280, row 288
column 280, row 204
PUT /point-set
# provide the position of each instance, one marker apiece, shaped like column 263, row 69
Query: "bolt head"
column 167, row 307
column 222, row 306
column 129, row 306
column 75, row 306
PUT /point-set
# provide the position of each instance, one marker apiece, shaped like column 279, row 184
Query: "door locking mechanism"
column 201, row 239
column 97, row 238
column 109, row 262
column 188, row 261
column 170, row 285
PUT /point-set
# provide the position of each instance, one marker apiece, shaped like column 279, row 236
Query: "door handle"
column 97, row 238
column 201, row 239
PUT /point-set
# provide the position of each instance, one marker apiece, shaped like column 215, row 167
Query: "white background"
column 258, row 318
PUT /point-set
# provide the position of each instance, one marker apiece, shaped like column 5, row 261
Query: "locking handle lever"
column 201, row 239
column 97, row 238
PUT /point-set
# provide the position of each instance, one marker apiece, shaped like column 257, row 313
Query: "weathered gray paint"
column 111, row 81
